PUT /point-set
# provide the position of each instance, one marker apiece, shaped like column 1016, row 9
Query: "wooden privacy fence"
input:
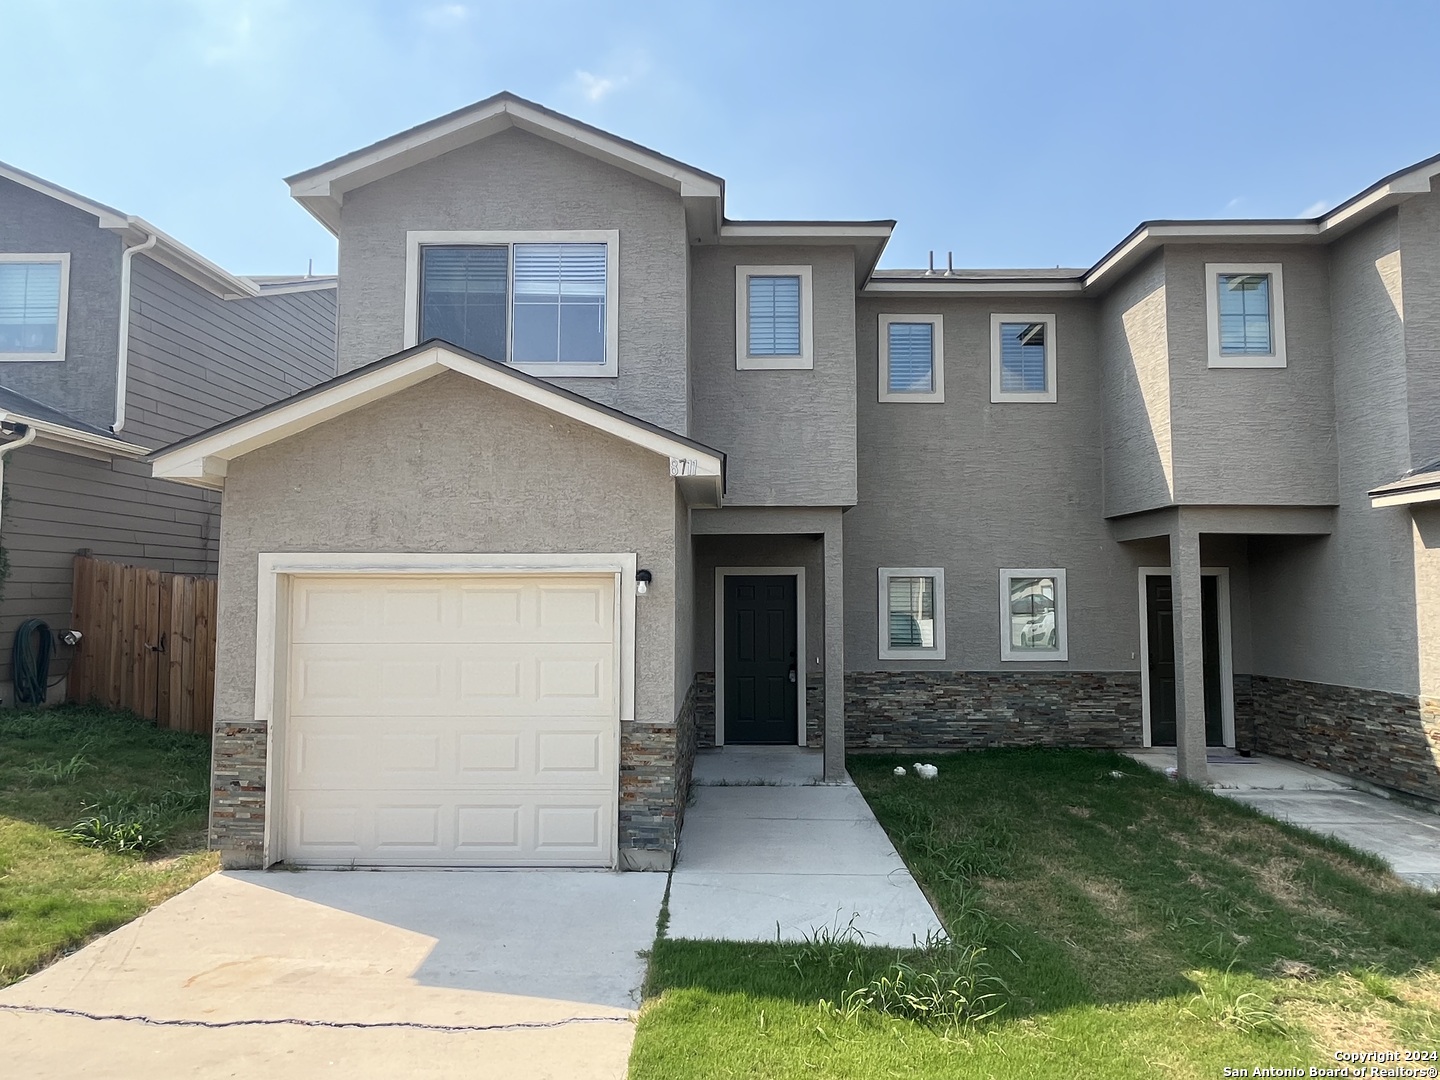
column 147, row 644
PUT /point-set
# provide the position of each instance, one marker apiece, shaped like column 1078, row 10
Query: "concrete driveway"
column 520, row 974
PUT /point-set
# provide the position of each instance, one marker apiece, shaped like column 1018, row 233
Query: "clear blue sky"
column 1016, row 134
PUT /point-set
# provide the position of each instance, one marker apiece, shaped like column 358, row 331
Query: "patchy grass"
column 1137, row 926
column 58, row 765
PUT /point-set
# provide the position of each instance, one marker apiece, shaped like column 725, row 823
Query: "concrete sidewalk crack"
column 522, row 1025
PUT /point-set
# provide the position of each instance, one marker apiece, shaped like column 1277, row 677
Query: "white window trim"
column 1276, row 357
column 886, row 651
column 743, row 360
column 277, row 571
column 996, row 394
column 937, row 338
column 414, row 241
column 63, row 258
column 1062, row 611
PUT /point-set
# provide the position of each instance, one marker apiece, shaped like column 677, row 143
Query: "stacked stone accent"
column 649, row 816
column 973, row 709
column 704, row 687
column 686, row 743
column 1392, row 740
column 237, row 803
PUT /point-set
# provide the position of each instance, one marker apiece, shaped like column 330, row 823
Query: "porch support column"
column 834, row 651
column 1189, row 651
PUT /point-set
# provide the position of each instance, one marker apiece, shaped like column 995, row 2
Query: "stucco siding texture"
column 1342, row 609
column 197, row 360
column 1261, row 435
column 516, row 181
column 789, row 435
column 83, row 384
column 1135, row 392
column 975, row 487
column 450, row 475
column 684, row 591
column 1419, row 227
column 58, row 504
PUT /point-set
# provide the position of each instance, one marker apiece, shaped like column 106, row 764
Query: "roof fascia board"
column 108, row 216
column 1152, row 235
column 950, row 286
column 187, row 262
column 840, row 233
column 58, row 436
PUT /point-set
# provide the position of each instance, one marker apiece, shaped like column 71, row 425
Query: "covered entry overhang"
column 1185, row 614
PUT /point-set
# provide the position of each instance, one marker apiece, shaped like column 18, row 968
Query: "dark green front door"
column 760, row 673
column 1160, row 628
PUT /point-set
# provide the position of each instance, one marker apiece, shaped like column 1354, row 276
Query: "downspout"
column 6, row 448
column 122, row 350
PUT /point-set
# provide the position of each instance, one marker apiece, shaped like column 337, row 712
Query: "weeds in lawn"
column 947, row 986
column 128, row 822
column 57, row 772
column 832, row 947
column 1247, row 1011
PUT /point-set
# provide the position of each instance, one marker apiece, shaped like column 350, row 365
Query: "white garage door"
column 451, row 721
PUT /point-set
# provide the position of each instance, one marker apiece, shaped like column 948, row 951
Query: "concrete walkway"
column 1406, row 838
column 765, row 844
column 522, row 974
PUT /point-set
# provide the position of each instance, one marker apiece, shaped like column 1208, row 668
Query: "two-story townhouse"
column 608, row 476
column 116, row 339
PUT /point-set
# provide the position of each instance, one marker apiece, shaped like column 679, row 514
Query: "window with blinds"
column 774, row 306
column 1022, row 358
column 1244, row 303
column 31, row 315
column 912, row 613
column 520, row 303
column 912, row 362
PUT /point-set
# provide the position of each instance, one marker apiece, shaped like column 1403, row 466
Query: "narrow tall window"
column 912, row 362
column 773, row 317
column 1022, row 358
column 32, row 306
column 912, row 613
column 1245, row 315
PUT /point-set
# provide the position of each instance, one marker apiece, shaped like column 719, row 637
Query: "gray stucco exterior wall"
column 1419, row 230
column 790, row 435
column 1135, row 392
column 518, row 181
column 83, row 384
column 975, row 487
column 445, row 479
column 1226, row 421
column 1341, row 609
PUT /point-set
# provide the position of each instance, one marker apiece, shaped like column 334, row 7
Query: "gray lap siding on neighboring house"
column 60, row 503
column 462, row 469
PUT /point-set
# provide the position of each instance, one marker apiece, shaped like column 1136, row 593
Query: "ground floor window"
column 1032, row 615
column 912, row 613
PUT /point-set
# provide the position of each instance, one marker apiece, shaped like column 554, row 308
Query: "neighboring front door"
column 760, row 673
column 1160, row 628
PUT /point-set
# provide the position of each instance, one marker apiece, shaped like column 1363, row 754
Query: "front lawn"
column 1137, row 927
column 148, row 789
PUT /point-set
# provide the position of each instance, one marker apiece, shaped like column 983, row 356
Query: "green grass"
column 1139, row 927
column 55, row 893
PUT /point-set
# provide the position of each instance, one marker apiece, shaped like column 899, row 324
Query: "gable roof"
column 59, row 430
column 168, row 251
column 202, row 460
column 1420, row 485
column 322, row 190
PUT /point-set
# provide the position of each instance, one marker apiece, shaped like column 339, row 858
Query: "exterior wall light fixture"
column 642, row 581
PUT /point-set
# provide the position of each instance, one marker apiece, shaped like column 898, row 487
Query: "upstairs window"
column 773, row 317
column 543, row 303
column 1022, row 358
column 912, row 613
column 33, row 300
column 1245, row 315
column 912, row 358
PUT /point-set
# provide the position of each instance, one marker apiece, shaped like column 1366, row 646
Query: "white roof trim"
column 1419, row 488
column 820, row 233
column 61, row 437
column 203, row 462
column 322, row 190
column 941, row 284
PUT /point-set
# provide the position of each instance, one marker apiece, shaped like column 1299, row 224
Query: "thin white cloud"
column 1234, row 203
column 442, row 16
column 598, row 87
column 1315, row 209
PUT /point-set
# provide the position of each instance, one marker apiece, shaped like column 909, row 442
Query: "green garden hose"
column 30, row 660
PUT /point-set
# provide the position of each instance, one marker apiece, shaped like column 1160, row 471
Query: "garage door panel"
column 452, row 721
